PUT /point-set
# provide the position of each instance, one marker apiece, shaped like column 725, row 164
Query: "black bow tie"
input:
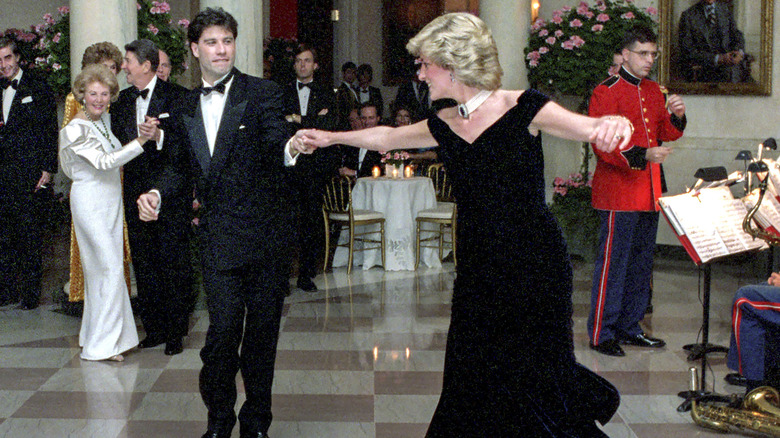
column 5, row 83
column 140, row 93
column 218, row 87
column 301, row 86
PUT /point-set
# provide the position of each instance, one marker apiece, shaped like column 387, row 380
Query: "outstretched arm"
column 607, row 132
column 380, row 138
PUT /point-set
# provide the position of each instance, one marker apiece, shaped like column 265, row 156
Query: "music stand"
column 700, row 351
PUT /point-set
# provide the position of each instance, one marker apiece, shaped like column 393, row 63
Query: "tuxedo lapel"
column 228, row 127
column 197, row 133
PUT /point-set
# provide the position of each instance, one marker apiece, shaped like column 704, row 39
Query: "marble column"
column 510, row 22
column 93, row 21
column 249, row 43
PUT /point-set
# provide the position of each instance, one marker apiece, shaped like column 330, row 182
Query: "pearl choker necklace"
column 464, row 109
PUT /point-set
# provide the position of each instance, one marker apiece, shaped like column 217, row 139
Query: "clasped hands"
column 148, row 130
column 306, row 141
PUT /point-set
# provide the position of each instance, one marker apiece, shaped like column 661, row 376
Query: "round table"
column 399, row 199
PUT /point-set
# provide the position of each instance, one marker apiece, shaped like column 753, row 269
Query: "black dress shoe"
column 610, row 348
column 735, row 379
column 173, row 347
column 254, row 435
column 641, row 340
column 306, row 284
column 151, row 342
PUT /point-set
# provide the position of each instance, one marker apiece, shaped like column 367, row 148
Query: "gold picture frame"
column 679, row 74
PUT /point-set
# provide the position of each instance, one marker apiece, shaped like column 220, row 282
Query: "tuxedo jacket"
column 141, row 174
column 28, row 140
column 700, row 42
column 375, row 97
column 323, row 163
column 407, row 97
column 351, row 156
column 243, row 187
column 346, row 100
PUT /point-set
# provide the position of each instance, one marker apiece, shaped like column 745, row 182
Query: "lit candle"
column 375, row 172
column 408, row 171
column 395, row 172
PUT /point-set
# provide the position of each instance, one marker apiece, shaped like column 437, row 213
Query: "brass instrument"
column 759, row 412
column 747, row 223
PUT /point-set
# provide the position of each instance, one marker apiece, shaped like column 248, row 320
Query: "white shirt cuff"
column 162, row 139
column 159, row 196
column 289, row 160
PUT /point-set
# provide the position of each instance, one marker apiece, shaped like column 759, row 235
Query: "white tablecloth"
column 400, row 200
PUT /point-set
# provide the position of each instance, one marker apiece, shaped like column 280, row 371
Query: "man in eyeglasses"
column 626, row 186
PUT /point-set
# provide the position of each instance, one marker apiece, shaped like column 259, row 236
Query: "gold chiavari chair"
column 443, row 217
column 337, row 209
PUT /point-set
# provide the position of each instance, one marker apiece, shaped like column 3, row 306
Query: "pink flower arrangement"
column 628, row 15
column 533, row 55
column 577, row 41
column 543, row 50
column 602, row 18
column 652, row 11
column 575, row 23
column 557, row 19
column 63, row 10
column 395, row 158
column 160, row 8
column 558, row 33
column 48, row 18
column 185, row 23
column 56, row 37
column 597, row 27
column 153, row 29
column 568, row 44
column 550, row 40
column 544, row 32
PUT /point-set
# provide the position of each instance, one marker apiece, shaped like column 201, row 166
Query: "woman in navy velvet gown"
column 509, row 368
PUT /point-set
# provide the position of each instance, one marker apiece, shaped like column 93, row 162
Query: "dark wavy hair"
column 211, row 17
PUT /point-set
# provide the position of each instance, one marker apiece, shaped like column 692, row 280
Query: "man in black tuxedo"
column 160, row 250
column 413, row 94
column 366, row 92
column 308, row 104
column 711, row 46
column 28, row 145
column 360, row 162
column 235, row 147
column 346, row 94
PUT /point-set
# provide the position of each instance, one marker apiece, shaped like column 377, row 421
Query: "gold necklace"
column 103, row 131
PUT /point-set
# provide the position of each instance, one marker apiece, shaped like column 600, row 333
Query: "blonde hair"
column 91, row 74
column 99, row 52
column 462, row 43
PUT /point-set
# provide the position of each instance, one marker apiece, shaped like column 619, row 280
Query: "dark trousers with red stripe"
column 624, row 269
column 755, row 336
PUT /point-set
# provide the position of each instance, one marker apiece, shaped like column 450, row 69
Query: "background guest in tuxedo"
column 367, row 93
column 346, row 94
column 359, row 162
column 309, row 104
column 712, row 49
column 28, row 145
column 91, row 156
column 160, row 249
column 235, row 147
column 413, row 95
column 107, row 54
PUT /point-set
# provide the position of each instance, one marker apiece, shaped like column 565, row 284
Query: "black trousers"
column 163, row 273
column 311, row 243
column 21, row 240
column 245, row 310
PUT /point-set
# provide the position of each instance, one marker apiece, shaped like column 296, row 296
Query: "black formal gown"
column 509, row 367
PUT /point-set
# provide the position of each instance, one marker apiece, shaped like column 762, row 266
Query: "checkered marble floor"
column 360, row 358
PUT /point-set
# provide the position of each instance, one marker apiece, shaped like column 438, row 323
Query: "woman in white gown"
column 91, row 156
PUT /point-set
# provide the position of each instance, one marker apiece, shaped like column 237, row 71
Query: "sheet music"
column 712, row 222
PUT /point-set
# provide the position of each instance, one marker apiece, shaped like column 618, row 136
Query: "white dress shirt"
column 142, row 107
column 303, row 96
column 8, row 96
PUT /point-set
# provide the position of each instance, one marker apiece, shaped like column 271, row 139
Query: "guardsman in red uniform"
column 626, row 186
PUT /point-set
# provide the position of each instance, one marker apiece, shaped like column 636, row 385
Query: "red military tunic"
column 624, row 180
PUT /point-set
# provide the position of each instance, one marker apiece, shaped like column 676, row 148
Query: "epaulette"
column 610, row 81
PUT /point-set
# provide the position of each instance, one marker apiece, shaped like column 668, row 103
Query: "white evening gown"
column 92, row 162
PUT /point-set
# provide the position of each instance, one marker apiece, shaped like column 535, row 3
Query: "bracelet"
column 630, row 125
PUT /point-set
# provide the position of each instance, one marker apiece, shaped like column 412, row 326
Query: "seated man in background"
column 712, row 49
column 755, row 339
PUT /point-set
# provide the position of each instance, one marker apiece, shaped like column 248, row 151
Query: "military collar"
column 631, row 79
